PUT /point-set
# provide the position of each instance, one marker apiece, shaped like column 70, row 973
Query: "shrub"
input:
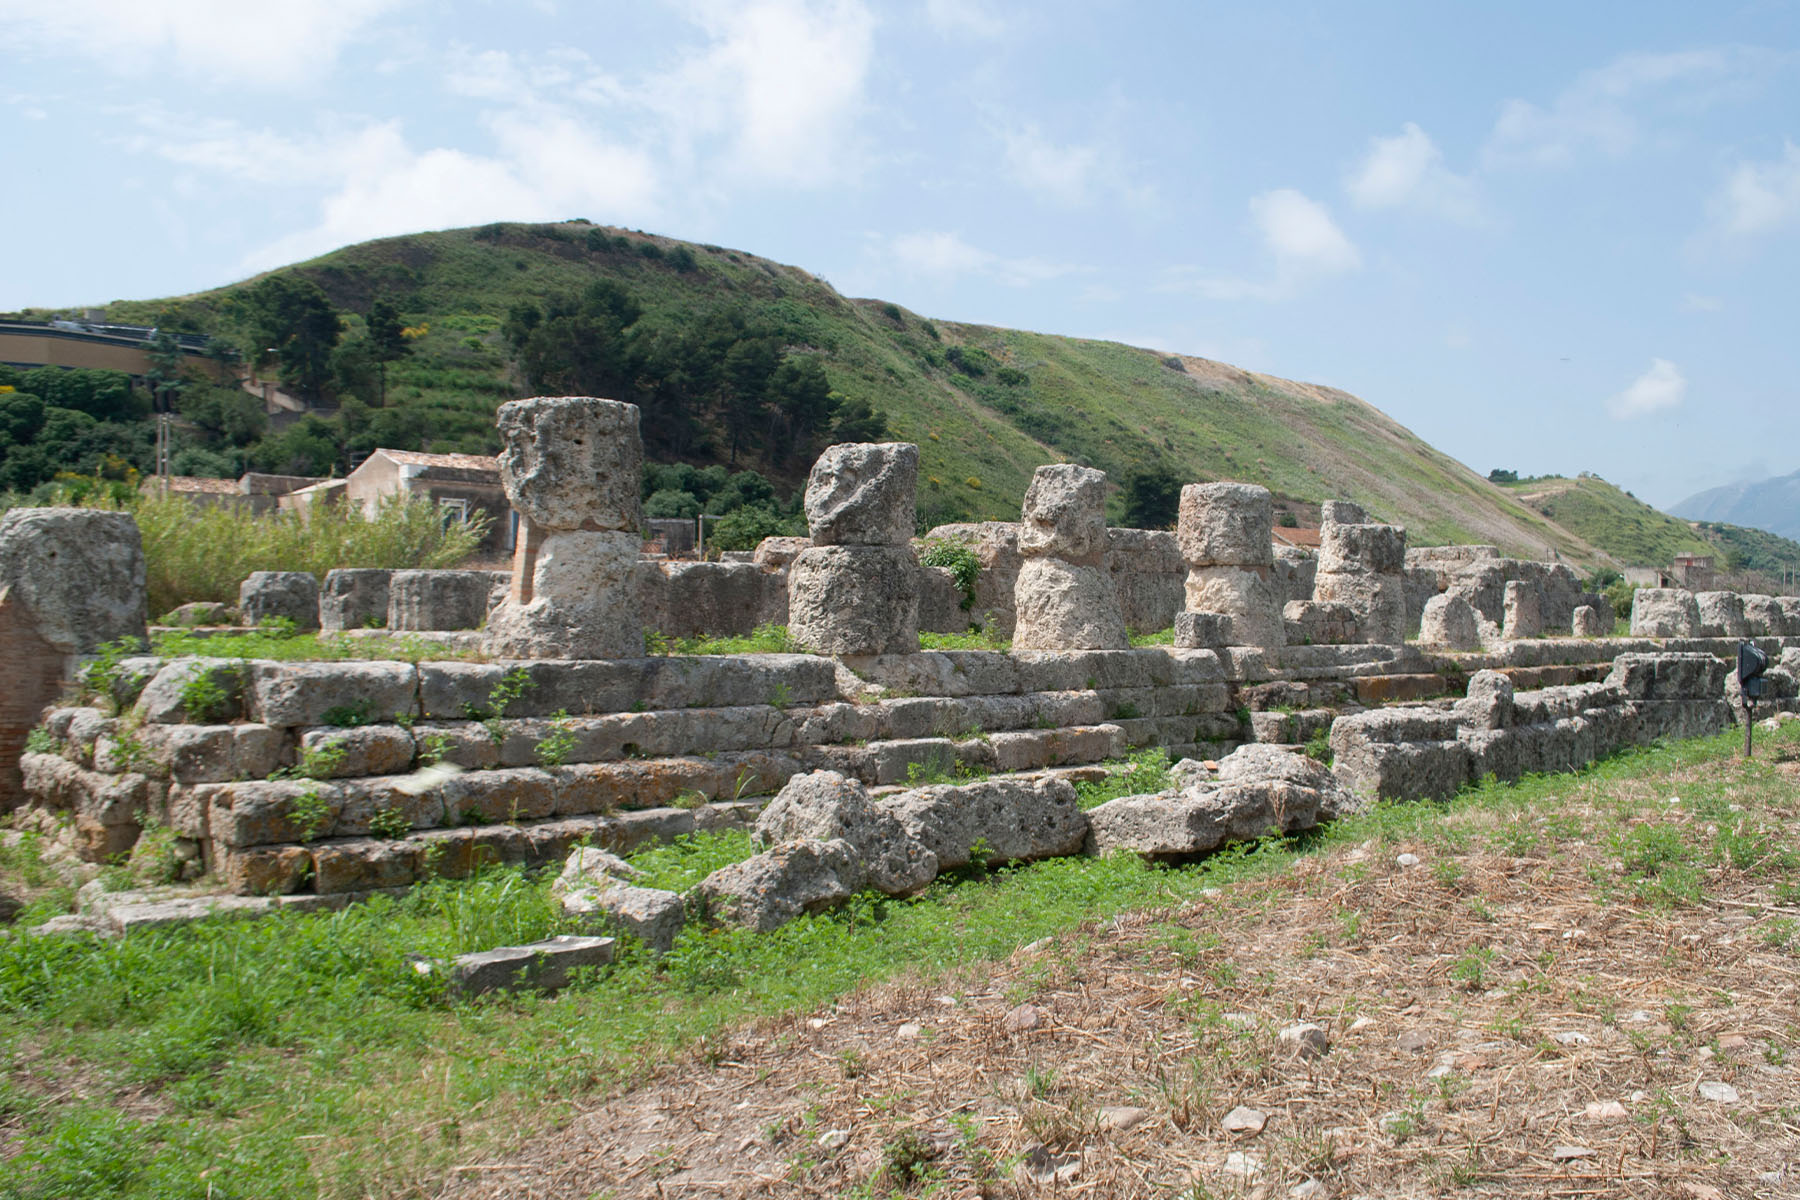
column 960, row 560
column 196, row 553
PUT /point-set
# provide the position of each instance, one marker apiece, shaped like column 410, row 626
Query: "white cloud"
column 1302, row 239
column 273, row 45
column 946, row 256
column 544, row 168
column 1067, row 173
column 1662, row 386
column 1759, row 197
column 1407, row 171
column 951, row 18
column 1595, row 113
column 781, row 84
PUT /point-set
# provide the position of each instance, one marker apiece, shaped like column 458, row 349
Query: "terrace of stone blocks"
column 1421, row 669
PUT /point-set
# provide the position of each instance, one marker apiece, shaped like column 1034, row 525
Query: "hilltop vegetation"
column 737, row 358
column 1635, row 534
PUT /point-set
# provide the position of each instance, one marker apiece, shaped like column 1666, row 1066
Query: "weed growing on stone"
column 203, row 697
column 99, row 676
column 553, row 748
column 1145, row 771
column 349, row 716
column 310, row 812
column 390, row 823
column 974, row 639
column 41, row 741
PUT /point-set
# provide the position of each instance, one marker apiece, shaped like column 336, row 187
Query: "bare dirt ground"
column 1494, row 1023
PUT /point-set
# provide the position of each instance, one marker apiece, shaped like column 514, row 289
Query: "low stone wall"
column 1144, row 566
column 1432, row 751
column 576, row 750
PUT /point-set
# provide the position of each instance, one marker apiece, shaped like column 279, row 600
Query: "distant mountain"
column 1771, row 504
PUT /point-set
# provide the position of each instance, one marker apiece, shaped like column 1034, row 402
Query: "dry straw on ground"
column 1506, row 1017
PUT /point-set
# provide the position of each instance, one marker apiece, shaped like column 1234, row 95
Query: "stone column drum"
column 1363, row 565
column 1064, row 598
column 855, row 590
column 1225, row 534
column 572, row 467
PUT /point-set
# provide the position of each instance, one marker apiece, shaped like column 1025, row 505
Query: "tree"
column 1152, row 498
column 164, row 377
column 294, row 321
column 387, row 341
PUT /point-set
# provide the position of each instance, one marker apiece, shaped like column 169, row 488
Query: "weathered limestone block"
column 861, row 494
column 582, row 601
column 1664, row 613
column 433, row 600
column 1373, row 549
column 1247, row 595
column 855, row 600
column 1259, row 790
column 1790, row 614
column 1764, row 617
column 1592, row 622
column 364, row 864
column 684, row 599
column 1226, row 524
column 304, row 693
column 572, row 463
column 540, row 966
column 175, row 693
column 500, row 796
column 1064, row 605
column 1147, row 574
column 651, row 915
column 109, row 810
column 1668, row 677
column 826, row 806
column 768, row 890
column 941, row 602
column 215, row 753
column 1064, row 514
column 286, row 595
column 996, row 547
column 1721, row 614
column 333, row 753
column 78, row 572
column 1009, row 820
column 1202, row 630
column 1378, row 600
column 1524, row 615
column 199, row 612
column 1342, row 512
column 1313, row 623
column 1295, row 571
column 354, row 598
column 775, row 553
column 263, row 813
column 1489, row 702
column 1448, row 623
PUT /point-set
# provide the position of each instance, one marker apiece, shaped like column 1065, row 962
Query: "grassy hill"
column 1634, row 534
column 986, row 405
column 1630, row 531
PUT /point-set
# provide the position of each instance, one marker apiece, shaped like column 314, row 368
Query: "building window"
column 454, row 511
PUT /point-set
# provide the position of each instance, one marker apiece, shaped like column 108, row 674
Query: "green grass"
column 974, row 639
column 764, row 639
column 300, row 1055
column 307, row 647
column 1612, row 520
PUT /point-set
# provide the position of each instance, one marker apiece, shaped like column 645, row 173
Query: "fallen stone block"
column 651, row 915
column 544, row 966
column 1004, row 820
column 286, row 595
column 768, row 890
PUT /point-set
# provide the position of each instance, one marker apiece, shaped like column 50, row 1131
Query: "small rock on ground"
column 1307, row 1039
column 1244, row 1120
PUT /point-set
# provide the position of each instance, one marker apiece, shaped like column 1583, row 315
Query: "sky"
column 1546, row 237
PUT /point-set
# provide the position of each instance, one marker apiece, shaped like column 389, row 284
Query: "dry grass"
column 1487, row 1009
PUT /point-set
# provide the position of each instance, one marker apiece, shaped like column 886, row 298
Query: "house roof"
column 459, row 462
column 195, row 484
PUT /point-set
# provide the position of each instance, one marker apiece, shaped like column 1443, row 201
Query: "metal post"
column 1749, row 723
column 700, row 525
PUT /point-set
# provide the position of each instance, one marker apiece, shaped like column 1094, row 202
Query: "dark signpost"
column 1751, row 663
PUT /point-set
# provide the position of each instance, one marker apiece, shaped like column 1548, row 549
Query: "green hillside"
column 1742, row 549
column 1631, row 532
column 986, row 405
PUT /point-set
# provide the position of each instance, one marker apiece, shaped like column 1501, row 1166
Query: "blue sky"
column 1547, row 237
